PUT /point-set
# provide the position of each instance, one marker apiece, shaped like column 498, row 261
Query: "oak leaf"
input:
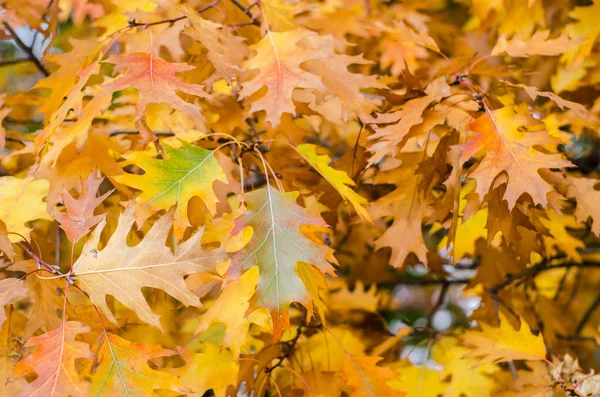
column 538, row 44
column 21, row 202
column 225, row 51
column 231, row 309
column 338, row 179
column 121, row 369
column 276, row 247
column 587, row 200
column 54, row 363
column 366, row 378
column 278, row 59
column 187, row 172
column 512, row 151
column 213, row 368
column 122, row 271
column 11, row 290
column 408, row 207
column 79, row 216
column 494, row 345
column 5, row 243
column 156, row 82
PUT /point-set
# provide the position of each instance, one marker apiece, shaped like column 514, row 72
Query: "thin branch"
column 133, row 23
column 14, row 62
column 246, row 10
column 438, row 303
column 135, row 132
column 28, row 50
column 536, row 269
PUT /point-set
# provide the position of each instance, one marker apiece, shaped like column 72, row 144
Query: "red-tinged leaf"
column 276, row 247
column 54, row 363
column 79, row 217
column 278, row 59
column 156, row 82
column 513, row 151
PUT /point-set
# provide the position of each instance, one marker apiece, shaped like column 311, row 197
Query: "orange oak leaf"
column 156, row 82
column 225, row 50
column 278, row 59
column 344, row 86
column 366, row 378
column 79, row 216
column 276, row 246
column 54, row 363
column 407, row 206
column 538, row 44
column 511, row 150
column 588, row 199
column 122, row 271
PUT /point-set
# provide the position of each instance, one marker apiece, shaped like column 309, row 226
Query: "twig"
column 133, row 23
column 539, row 268
column 246, row 10
column 28, row 50
column 14, row 62
column 288, row 349
column 438, row 303
column 135, row 132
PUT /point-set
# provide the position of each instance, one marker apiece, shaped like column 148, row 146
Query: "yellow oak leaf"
column 21, row 202
column 122, row 271
column 61, row 81
column 231, row 309
column 214, row 368
column 461, row 377
column 512, row 151
column 420, row 381
column 585, row 27
column 559, row 237
column 357, row 299
column 338, row 179
column 496, row 345
column 187, row 172
column 121, row 368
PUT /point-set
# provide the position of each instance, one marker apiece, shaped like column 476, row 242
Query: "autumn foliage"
column 299, row 198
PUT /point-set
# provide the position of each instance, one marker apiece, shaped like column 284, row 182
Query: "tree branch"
column 246, row 10
column 587, row 316
column 28, row 50
column 133, row 23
